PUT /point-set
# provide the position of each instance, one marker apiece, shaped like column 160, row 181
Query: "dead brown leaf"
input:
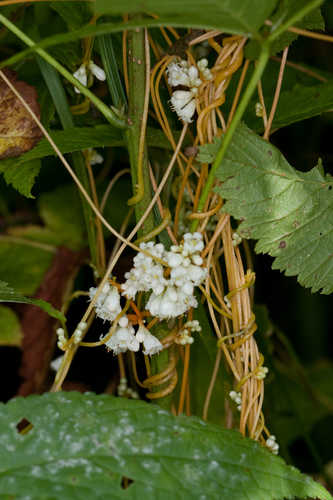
column 18, row 131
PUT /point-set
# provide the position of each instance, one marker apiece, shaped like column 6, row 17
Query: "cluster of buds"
column 237, row 398
column 79, row 331
column 61, row 338
column 184, row 335
column 124, row 391
column 261, row 372
column 272, row 444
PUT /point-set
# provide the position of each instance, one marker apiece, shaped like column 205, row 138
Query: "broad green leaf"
column 80, row 447
column 10, row 328
column 21, row 172
column 8, row 294
column 295, row 105
column 232, row 16
column 23, row 264
column 288, row 211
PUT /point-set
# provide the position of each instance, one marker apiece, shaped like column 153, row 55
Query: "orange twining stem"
column 203, row 215
column 167, row 375
column 230, row 69
column 203, row 114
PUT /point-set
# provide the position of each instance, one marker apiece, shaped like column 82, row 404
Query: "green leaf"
column 10, row 329
column 80, row 446
column 21, row 172
column 61, row 212
column 73, row 13
column 23, row 264
column 21, row 177
column 312, row 21
column 306, row 103
column 231, row 16
column 295, row 105
column 8, row 294
column 288, row 211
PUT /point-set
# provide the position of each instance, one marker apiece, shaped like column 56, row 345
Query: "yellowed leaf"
column 18, row 130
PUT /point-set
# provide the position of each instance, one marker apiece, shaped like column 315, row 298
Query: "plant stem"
column 256, row 75
column 276, row 32
column 136, row 106
column 112, row 117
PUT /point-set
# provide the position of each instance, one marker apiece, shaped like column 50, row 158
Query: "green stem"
column 293, row 19
column 107, row 112
column 256, row 75
column 139, row 169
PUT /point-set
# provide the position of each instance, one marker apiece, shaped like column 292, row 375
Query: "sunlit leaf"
column 288, row 211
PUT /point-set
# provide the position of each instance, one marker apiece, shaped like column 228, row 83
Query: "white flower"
column 183, row 74
column 107, row 305
column 122, row 340
column 272, row 444
column 193, row 243
column 146, row 274
column 172, row 303
column 178, row 74
column 151, row 343
column 204, row 70
column 81, row 74
column 55, row 364
column 98, row 72
column 183, row 103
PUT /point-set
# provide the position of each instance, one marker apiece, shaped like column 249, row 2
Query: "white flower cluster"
column 124, row 391
column 107, row 305
column 124, row 338
column 237, row 398
column 171, row 296
column 81, row 74
column 182, row 73
column 261, row 373
column 272, row 444
column 184, row 336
